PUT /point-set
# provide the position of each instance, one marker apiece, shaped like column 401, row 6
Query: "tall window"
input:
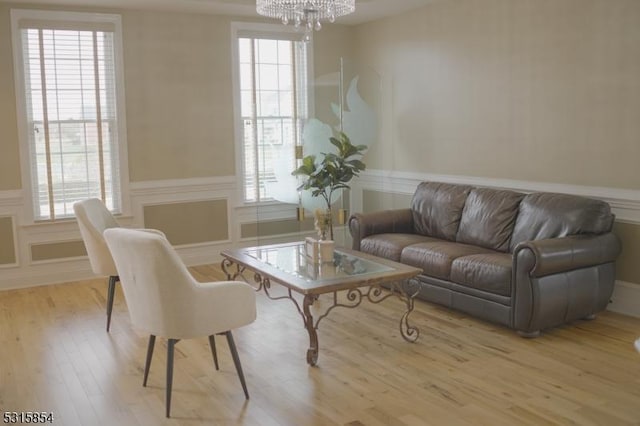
column 68, row 88
column 272, row 71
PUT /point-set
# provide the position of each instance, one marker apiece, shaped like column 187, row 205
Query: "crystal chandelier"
column 306, row 13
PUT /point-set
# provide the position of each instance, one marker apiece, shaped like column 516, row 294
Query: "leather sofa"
column 527, row 261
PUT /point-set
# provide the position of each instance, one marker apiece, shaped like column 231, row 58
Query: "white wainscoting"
column 27, row 273
column 188, row 190
column 625, row 204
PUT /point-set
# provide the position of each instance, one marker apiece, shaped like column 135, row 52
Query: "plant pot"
column 324, row 224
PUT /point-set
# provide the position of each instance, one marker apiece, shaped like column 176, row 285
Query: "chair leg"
column 212, row 343
column 147, row 364
column 236, row 361
column 110, row 295
column 170, row 346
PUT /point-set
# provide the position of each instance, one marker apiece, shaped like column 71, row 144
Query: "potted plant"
column 330, row 173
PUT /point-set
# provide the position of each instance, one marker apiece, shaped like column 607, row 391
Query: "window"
column 68, row 69
column 272, row 92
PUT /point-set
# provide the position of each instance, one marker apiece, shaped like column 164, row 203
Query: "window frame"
column 265, row 30
column 27, row 169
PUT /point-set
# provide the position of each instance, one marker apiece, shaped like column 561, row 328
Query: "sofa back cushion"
column 488, row 218
column 547, row 215
column 437, row 208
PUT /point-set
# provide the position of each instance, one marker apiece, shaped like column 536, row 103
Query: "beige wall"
column 179, row 91
column 179, row 101
column 189, row 223
column 9, row 154
column 53, row 251
column 7, row 241
column 373, row 201
column 540, row 90
column 534, row 90
column 628, row 266
column 179, row 94
column 274, row 227
column 329, row 47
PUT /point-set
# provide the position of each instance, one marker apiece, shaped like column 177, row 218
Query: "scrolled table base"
column 405, row 290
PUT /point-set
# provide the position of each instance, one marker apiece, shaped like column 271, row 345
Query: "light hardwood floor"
column 55, row 355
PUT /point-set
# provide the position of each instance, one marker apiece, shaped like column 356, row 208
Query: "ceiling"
column 366, row 10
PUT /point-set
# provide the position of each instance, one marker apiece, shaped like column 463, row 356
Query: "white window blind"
column 70, row 99
column 273, row 106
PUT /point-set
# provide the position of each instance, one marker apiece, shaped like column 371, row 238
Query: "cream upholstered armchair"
column 165, row 300
column 93, row 218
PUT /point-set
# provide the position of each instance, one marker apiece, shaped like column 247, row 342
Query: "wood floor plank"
column 56, row 356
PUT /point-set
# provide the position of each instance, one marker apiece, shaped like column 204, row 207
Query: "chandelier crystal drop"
column 305, row 13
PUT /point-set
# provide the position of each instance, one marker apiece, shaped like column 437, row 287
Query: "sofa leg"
column 589, row 317
column 529, row 334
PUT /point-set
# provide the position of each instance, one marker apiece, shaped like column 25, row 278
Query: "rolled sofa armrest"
column 361, row 225
column 559, row 280
column 555, row 255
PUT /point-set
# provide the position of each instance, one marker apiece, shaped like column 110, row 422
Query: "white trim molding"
column 28, row 273
column 170, row 191
column 180, row 191
column 16, row 248
column 11, row 198
column 78, row 21
column 625, row 299
column 240, row 29
column 625, row 203
column 46, row 273
column 179, row 186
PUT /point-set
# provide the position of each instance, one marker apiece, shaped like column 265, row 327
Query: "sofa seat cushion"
column 389, row 246
column 490, row 272
column 435, row 257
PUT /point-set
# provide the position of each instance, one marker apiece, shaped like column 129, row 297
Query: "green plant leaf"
column 357, row 164
column 334, row 171
column 335, row 142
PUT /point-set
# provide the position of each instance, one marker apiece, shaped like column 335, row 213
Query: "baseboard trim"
column 25, row 273
column 76, row 269
column 625, row 299
column 203, row 253
column 37, row 275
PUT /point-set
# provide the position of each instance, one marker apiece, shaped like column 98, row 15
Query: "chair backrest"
column 157, row 286
column 93, row 218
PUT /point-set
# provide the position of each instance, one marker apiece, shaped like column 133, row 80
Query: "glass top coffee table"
column 357, row 274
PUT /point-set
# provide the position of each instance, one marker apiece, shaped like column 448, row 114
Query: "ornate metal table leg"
column 410, row 288
column 226, row 268
column 312, row 352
